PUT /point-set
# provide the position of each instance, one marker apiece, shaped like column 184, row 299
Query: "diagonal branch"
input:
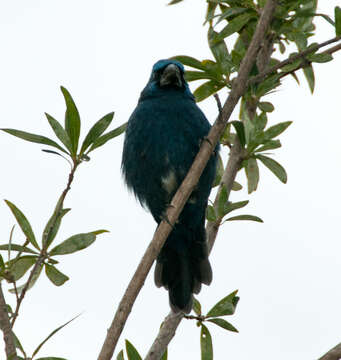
column 6, row 328
column 172, row 321
column 332, row 354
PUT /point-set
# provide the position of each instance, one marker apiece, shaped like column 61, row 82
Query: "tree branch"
column 332, row 354
column 167, row 330
column 258, row 78
column 6, row 328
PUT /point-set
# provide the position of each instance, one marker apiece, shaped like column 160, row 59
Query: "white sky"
column 287, row 270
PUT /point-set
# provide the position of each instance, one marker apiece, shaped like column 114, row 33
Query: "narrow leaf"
column 270, row 145
column 309, row 75
column 239, row 127
column 235, row 25
column 97, row 130
column 132, row 353
column 75, row 243
column 31, row 284
column 17, row 344
column 39, row 139
column 50, row 335
column 236, row 186
column 55, row 276
column 165, row 355
column 19, row 248
column 252, row 174
column 197, row 75
column 196, row 307
column 52, row 226
column 108, row 136
column 219, row 171
column 120, row 355
column 59, row 131
column 275, row 130
column 337, row 21
column 210, row 213
column 206, row 344
column 225, row 306
column 266, row 106
column 20, row 266
column 24, row 224
column 245, row 217
column 234, row 206
column 72, row 120
column 320, row 58
column 207, row 89
column 223, row 324
column 189, row 61
column 275, row 167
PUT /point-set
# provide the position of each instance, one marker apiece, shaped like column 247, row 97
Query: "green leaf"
column 21, row 266
column 97, row 130
column 31, row 284
column 19, row 248
column 17, row 344
column 197, row 307
column 210, row 213
column 189, row 61
column 236, row 186
column 120, row 355
column 219, row 51
column 34, row 138
column 50, row 335
column 55, row 276
column 75, row 243
column 24, row 224
column 72, row 120
column 230, row 13
column 197, row 75
column 225, row 306
column 59, row 131
column 275, row 130
column 108, row 136
column 266, row 106
column 337, row 11
column 239, row 127
column 275, row 167
column 132, row 352
column 235, row 25
column 2, row 263
column 320, row 58
column 252, row 174
column 206, row 344
column 207, row 89
column 309, row 75
column 223, row 197
column 229, row 206
column 174, row 2
column 270, row 145
column 52, row 226
column 223, row 323
column 219, row 171
column 245, row 217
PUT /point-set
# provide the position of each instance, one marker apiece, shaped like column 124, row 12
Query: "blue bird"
column 163, row 136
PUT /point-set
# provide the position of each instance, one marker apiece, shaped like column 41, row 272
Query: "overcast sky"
column 287, row 270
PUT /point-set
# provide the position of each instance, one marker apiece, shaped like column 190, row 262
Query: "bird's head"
column 167, row 75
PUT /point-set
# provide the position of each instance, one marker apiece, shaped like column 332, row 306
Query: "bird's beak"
column 171, row 76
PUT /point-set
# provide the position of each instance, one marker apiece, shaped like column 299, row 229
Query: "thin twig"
column 6, row 328
column 290, row 60
column 43, row 254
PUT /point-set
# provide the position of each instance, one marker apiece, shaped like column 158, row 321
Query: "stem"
column 43, row 254
column 6, row 328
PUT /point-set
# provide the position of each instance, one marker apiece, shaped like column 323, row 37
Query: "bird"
column 162, row 138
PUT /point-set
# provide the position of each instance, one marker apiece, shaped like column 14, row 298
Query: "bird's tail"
column 183, row 266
